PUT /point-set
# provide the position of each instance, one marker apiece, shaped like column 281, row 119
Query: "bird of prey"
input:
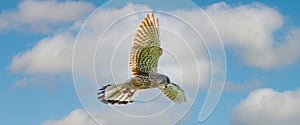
column 144, row 54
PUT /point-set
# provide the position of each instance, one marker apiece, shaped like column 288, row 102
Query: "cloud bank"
column 268, row 107
column 51, row 55
column 249, row 31
column 43, row 16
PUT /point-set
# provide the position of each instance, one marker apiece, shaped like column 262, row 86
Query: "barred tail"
column 120, row 94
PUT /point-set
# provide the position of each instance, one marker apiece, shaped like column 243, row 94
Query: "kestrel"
column 144, row 54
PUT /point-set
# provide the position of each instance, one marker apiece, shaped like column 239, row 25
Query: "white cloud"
column 268, row 107
column 42, row 16
column 249, row 30
column 51, row 55
column 76, row 117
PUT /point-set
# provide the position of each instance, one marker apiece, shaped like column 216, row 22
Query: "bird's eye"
column 166, row 86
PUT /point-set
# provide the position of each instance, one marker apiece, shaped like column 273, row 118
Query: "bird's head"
column 163, row 79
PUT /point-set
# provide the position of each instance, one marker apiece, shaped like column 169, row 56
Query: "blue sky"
column 37, row 86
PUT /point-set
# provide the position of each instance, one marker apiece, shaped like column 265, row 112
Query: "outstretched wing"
column 145, row 50
column 174, row 92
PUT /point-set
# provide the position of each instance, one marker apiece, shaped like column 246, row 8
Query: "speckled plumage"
column 145, row 50
column 144, row 55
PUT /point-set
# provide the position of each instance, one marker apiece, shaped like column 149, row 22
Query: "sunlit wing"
column 145, row 50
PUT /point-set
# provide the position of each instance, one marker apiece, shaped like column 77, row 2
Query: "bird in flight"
column 144, row 54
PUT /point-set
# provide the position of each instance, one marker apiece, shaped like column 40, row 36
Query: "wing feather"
column 145, row 50
column 174, row 93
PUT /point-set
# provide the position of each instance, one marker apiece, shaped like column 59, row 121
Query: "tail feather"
column 117, row 94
